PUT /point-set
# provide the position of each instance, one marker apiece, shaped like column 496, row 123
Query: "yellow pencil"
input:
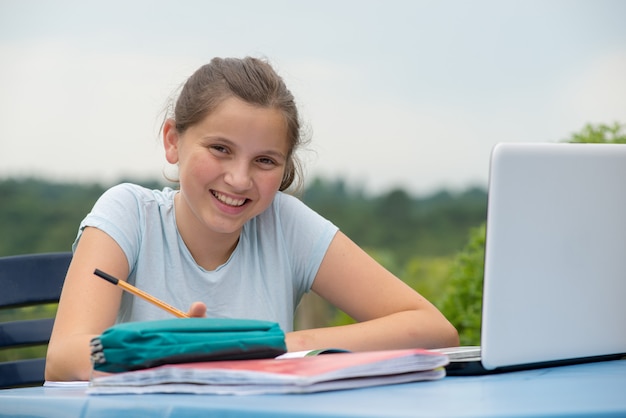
column 138, row 292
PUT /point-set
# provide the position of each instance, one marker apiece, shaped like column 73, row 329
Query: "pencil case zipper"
column 97, row 351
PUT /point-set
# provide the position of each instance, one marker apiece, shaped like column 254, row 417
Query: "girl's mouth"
column 227, row 200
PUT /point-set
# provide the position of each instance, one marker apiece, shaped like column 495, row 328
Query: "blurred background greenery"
column 434, row 243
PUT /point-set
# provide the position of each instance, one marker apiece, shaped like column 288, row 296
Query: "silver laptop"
column 555, row 258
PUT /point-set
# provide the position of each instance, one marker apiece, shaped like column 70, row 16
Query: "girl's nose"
column 238, row 176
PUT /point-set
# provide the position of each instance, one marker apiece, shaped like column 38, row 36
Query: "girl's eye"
column 266, row 161
column 219, row 148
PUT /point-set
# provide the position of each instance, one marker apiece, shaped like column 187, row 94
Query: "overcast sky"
column 409, row 94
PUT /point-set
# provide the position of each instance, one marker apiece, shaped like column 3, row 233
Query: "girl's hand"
column 197, row 310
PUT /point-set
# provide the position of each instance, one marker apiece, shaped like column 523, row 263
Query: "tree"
column 462, row 300
column 601, row 133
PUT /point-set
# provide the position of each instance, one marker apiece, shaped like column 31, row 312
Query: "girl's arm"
column 88, row 305
column 389, row 313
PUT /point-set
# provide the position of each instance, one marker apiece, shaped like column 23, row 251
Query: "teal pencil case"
column 145, row 344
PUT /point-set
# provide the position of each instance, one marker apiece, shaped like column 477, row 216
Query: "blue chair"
column 28, row 280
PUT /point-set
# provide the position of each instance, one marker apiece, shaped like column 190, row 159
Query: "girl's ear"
column 170, row 141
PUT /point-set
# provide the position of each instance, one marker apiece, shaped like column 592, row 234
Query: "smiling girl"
column 229, row 242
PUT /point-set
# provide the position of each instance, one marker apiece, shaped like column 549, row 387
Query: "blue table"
column 596, row 389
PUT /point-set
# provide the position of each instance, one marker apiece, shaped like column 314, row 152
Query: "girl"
column 229, row 242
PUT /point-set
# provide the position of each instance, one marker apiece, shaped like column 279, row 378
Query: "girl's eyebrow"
column 274, row 153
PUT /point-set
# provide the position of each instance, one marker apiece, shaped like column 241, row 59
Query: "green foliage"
column 601, row 133
column 461, row 302
column 39, row 216
column 403, row 225
column 427, row 275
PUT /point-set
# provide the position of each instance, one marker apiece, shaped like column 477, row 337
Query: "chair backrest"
column 28, row 280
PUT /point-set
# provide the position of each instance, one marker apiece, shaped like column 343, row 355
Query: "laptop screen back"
column 555, row 256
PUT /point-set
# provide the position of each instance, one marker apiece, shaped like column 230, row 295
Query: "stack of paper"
column 273, row 376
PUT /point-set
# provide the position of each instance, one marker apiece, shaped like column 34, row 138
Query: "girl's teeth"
column 228, row 200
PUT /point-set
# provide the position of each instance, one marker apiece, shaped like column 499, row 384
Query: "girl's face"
column 230, row 165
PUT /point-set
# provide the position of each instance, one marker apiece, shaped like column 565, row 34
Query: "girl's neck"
column 208, row 248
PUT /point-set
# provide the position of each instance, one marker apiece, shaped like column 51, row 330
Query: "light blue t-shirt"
column 274, row 264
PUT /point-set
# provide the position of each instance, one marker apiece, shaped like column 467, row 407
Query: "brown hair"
column 249, row 79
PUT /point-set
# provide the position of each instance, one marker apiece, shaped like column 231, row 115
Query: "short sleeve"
column 117, row 213
column 307, row 234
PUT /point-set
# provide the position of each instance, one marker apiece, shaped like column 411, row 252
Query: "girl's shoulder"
column 129, row 192
column 285, row 201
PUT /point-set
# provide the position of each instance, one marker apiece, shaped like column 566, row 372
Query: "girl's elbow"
column 446, row 335
column 450, row 335
column 442, row 333
column 50, row 371
column 64, row 365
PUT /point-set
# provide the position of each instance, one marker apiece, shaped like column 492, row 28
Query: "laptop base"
column 474, row 367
